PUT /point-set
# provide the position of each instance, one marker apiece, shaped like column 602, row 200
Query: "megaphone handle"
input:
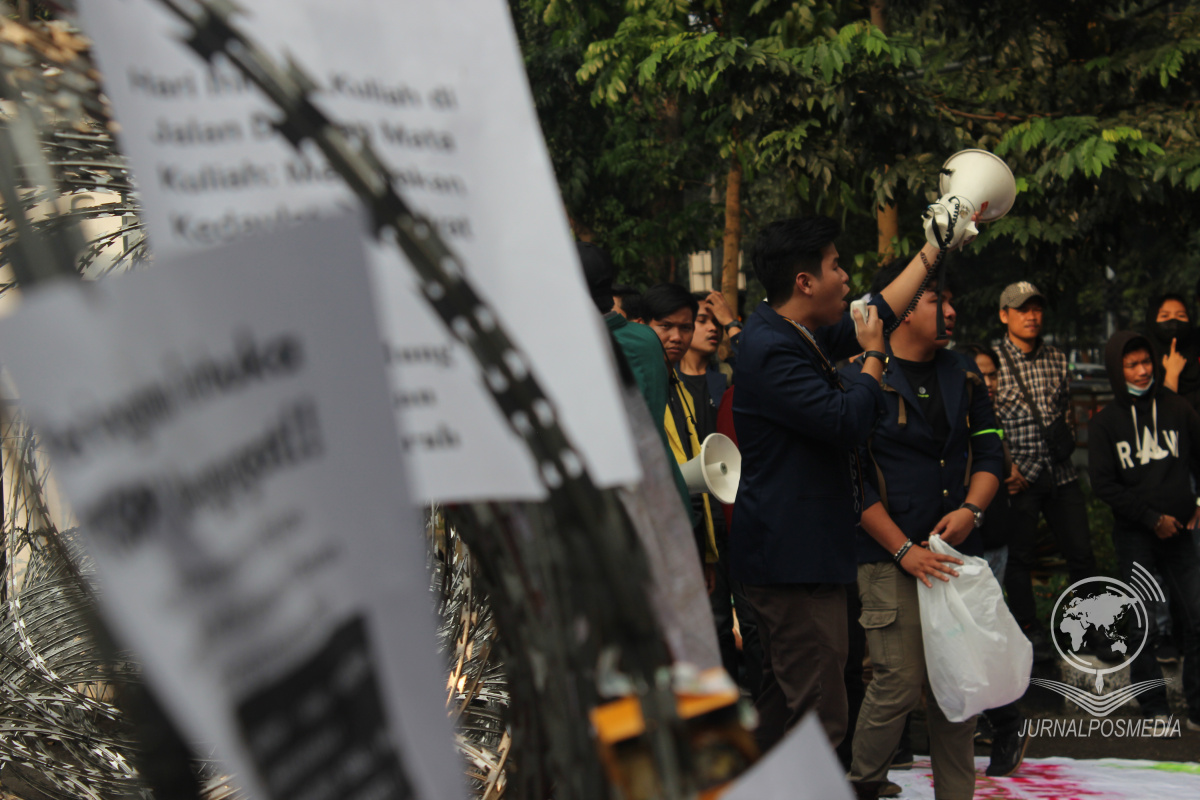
column 944, row 241
column 912, row 304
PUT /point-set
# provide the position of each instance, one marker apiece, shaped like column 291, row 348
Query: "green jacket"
column 644, row 354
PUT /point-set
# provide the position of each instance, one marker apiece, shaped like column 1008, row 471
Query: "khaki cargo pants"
column 892, row 619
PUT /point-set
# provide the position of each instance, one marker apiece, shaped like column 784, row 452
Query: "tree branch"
column 997, row 116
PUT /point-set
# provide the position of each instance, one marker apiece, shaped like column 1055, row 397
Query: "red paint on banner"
column 1032, row 782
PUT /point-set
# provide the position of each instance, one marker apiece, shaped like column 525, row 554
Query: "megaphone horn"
column 980, row 177
column 717, row 469
column 972, row 181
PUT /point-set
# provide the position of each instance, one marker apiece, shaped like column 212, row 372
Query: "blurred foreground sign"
column 438, row 89
column 801, row 767
column 220, row 426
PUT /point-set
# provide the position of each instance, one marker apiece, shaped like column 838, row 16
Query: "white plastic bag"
column 975, row 652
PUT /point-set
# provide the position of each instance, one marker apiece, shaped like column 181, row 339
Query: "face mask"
column 1175, row 329
column 1135, row 391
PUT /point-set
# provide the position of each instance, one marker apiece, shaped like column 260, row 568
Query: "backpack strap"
column 902, row 410
column 902, row 421
column 973, row 380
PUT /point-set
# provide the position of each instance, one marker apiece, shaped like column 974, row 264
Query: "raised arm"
column 899, row 293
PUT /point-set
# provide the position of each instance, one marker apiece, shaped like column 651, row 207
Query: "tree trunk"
column 668, row 201
column 888, row 221
column 731, row 263
column 879, row 14
column 887, row 217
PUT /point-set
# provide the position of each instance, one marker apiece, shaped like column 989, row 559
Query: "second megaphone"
column 970, row 180
column 716, row 470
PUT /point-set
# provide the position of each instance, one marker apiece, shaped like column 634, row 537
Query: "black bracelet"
column 734, row 324
column 883, row 357
column 900, row 553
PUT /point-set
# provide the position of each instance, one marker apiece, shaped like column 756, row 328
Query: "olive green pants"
column 892, row 618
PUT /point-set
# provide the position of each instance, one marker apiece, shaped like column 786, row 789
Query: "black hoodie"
column 1143, row 473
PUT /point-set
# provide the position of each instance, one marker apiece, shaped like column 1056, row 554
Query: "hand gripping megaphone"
column 970, row 178
column 716, row 470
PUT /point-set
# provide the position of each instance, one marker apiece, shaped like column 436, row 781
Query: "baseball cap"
column 1016, row 294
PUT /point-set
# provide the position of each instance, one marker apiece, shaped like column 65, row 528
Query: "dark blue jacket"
column 924, row 483
column 794, row 517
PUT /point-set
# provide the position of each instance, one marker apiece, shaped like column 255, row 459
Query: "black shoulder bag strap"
column 1037, row 415
column 971, row 380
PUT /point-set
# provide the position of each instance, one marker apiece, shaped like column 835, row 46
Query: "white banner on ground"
column 440, row 92
column 1039, row 778
column 221, row 428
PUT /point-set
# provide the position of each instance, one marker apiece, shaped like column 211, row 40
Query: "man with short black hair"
column 1033, row 405
column 799, row 426
column 937, row 462
column 620, row 295
column 670, row 311
column 706, row 378
column 640, row 349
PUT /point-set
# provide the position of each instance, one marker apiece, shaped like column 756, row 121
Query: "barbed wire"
column 579, row 544
column 563, row 580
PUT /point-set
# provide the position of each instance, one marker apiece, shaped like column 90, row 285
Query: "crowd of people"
column 863, row 434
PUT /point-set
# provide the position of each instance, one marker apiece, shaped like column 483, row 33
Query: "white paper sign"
column 801, row 767
column 440, row 92
column 220, row 426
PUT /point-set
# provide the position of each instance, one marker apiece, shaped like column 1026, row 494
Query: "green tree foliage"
column 1094, row 106
column 675, row 90
column 629, row 177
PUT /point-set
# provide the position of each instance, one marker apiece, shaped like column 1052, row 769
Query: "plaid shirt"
column 1045, row 373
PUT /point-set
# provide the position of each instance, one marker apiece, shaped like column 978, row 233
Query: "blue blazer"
column 794, row 517
column 925, row 482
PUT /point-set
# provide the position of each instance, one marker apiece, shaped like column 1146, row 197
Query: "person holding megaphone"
column 799, row 426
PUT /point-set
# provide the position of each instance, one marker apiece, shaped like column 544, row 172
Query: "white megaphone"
column 970, row 178
column 716, row 470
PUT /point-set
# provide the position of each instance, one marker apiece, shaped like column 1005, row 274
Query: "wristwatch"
column 731, row 325
column 976, row 511
column 883, row 357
